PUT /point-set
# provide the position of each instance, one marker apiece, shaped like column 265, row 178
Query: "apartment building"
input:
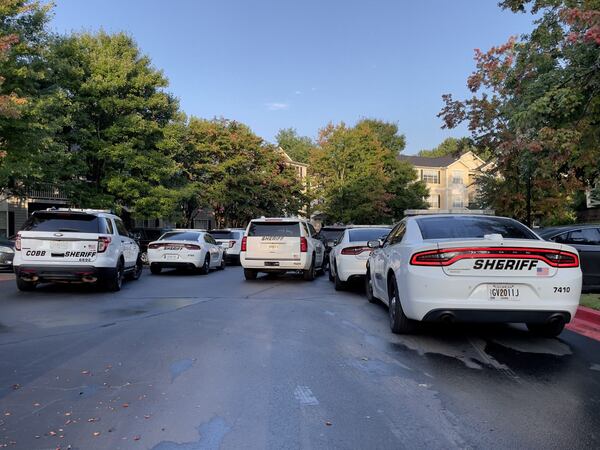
column 450, row 179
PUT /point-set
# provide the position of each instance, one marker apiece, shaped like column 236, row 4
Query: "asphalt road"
column 180, row 362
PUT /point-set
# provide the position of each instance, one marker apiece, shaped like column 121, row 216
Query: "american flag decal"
column 543, row 272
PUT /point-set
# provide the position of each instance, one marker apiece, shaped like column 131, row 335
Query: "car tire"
column 115, row 280
column 548, row 330
column 205, row 268
column 223, row 263
column 330, row 273
column 137, row 270
column 309, row 274
column 250, row 274
column 338, row 284
column 399, row 323
column 155, row 269
column 144, row 258
column 369, row 288
column 25, row 286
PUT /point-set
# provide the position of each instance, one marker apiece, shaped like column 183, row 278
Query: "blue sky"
column 303, row 63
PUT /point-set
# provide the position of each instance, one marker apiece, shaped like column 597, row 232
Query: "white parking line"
column 305, row 396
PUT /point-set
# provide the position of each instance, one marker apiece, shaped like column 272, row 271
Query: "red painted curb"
column 586, row 322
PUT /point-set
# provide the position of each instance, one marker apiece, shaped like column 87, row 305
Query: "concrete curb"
column 586, row 322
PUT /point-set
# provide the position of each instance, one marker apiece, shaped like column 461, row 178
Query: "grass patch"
column 591, row 300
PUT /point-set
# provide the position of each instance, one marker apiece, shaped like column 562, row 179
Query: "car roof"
column 90, row 212
column 473, row 216
column 565, row 228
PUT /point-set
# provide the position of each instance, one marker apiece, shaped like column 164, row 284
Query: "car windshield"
column 180, row 236
column 367, row 234
column 472, row 227
column 64, row 222
column 279, row 229
column 330, row 234
column 225, row 234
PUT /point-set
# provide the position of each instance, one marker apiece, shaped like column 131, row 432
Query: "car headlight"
column 4, row 249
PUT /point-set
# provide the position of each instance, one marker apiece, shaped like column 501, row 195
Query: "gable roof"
column 424, row 161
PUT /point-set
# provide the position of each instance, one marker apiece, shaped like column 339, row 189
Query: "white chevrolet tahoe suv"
column 273, row 245
column 75, row 245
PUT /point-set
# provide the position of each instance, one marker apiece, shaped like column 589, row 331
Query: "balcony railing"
column 46, row 192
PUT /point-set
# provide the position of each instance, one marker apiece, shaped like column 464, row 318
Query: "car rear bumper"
column 76, row 274
column 350, row 267
column 428, row 290
column 494, row 316
column 274, row 265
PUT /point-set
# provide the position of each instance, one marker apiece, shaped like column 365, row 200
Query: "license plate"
column 171, row 257
column 271, row 263
column 59, row 246
column 503, row 292
column 172, row 247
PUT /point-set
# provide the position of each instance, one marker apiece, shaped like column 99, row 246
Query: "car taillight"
column 155, row 246
column 18, row 242
column 244, row 243
column 303, row 245
column 448, row 256
column 231, row 244
column 103, row 242
column 192, row 247
column 355, row 250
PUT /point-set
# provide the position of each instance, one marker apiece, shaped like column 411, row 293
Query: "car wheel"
column 250, row 274
column 223, row 263
column 137, row 270
column 309, row 274
column 206, row 266
column 144, row 257
column 339, row 284
column 369, row 287
column 550, row 329
column 330, row 271
column 115, row 282
column 399, row 323
column 25, row 286
column 155, row 269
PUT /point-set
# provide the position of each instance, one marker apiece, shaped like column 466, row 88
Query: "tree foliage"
column 360, row 179
column 449, row 147
column 299, row 148
column 535, row 107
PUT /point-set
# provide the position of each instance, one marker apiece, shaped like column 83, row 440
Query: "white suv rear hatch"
column 273, row 240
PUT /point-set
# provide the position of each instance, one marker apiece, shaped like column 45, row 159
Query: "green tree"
column 450, row 147
column 115, row 117
column 535, row 106
column 299, row 148
column 360, row 179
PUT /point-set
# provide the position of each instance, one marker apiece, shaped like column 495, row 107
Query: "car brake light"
column 448, row 256
column 355, row 250
column 155, row 246
column 192, row 247
column 103, row 242
column 231, row 244
column 303, row 245
column 244, row 243
column 18, row 242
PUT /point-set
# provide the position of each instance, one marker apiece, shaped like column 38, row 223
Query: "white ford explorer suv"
column 75, row 245
column 274, row 245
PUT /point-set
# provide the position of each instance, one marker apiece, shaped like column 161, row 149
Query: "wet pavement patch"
column 178, row 367
column 211, row 434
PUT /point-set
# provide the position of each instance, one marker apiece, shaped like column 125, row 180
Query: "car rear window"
column 472, row 227
column 225, row 234
column 367, row 234
column 67, row 222
column 180, row 236
column 282, row 229
column 330, row 235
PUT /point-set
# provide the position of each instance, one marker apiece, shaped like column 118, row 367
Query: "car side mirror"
column 374, row 244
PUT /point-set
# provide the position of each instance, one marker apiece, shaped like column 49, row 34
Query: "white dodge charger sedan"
column 186, row 249
column 473, row 268
column 348, row 258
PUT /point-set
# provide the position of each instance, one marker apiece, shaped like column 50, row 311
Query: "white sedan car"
column 186, row 249
column 348, row 258
column 472, row 268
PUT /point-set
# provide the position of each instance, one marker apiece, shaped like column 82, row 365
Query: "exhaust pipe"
column 556, row 320
column 89, row 279
column 447, row 318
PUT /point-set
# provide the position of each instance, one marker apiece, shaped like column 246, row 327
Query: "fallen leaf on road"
column 136, row 438
column 52, row 433
column 7, row 413
column 68, row 422
column 16, row 386
column 85, row 372
column 125, row 405
column 93, row 419
column 96, row 433
column 328, row 423
column 36, row 404
column 364, row 358
column 67, row 414
column 147, row 416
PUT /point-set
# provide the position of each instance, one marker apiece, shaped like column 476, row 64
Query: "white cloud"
column 275, row 106
column 298, row 92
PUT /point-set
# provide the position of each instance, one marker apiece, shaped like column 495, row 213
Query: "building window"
column 457, row 202
column 433, row 201
column 457, row 177
column 431, row 176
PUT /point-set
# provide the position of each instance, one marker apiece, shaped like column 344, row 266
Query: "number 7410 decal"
column 562, row 289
